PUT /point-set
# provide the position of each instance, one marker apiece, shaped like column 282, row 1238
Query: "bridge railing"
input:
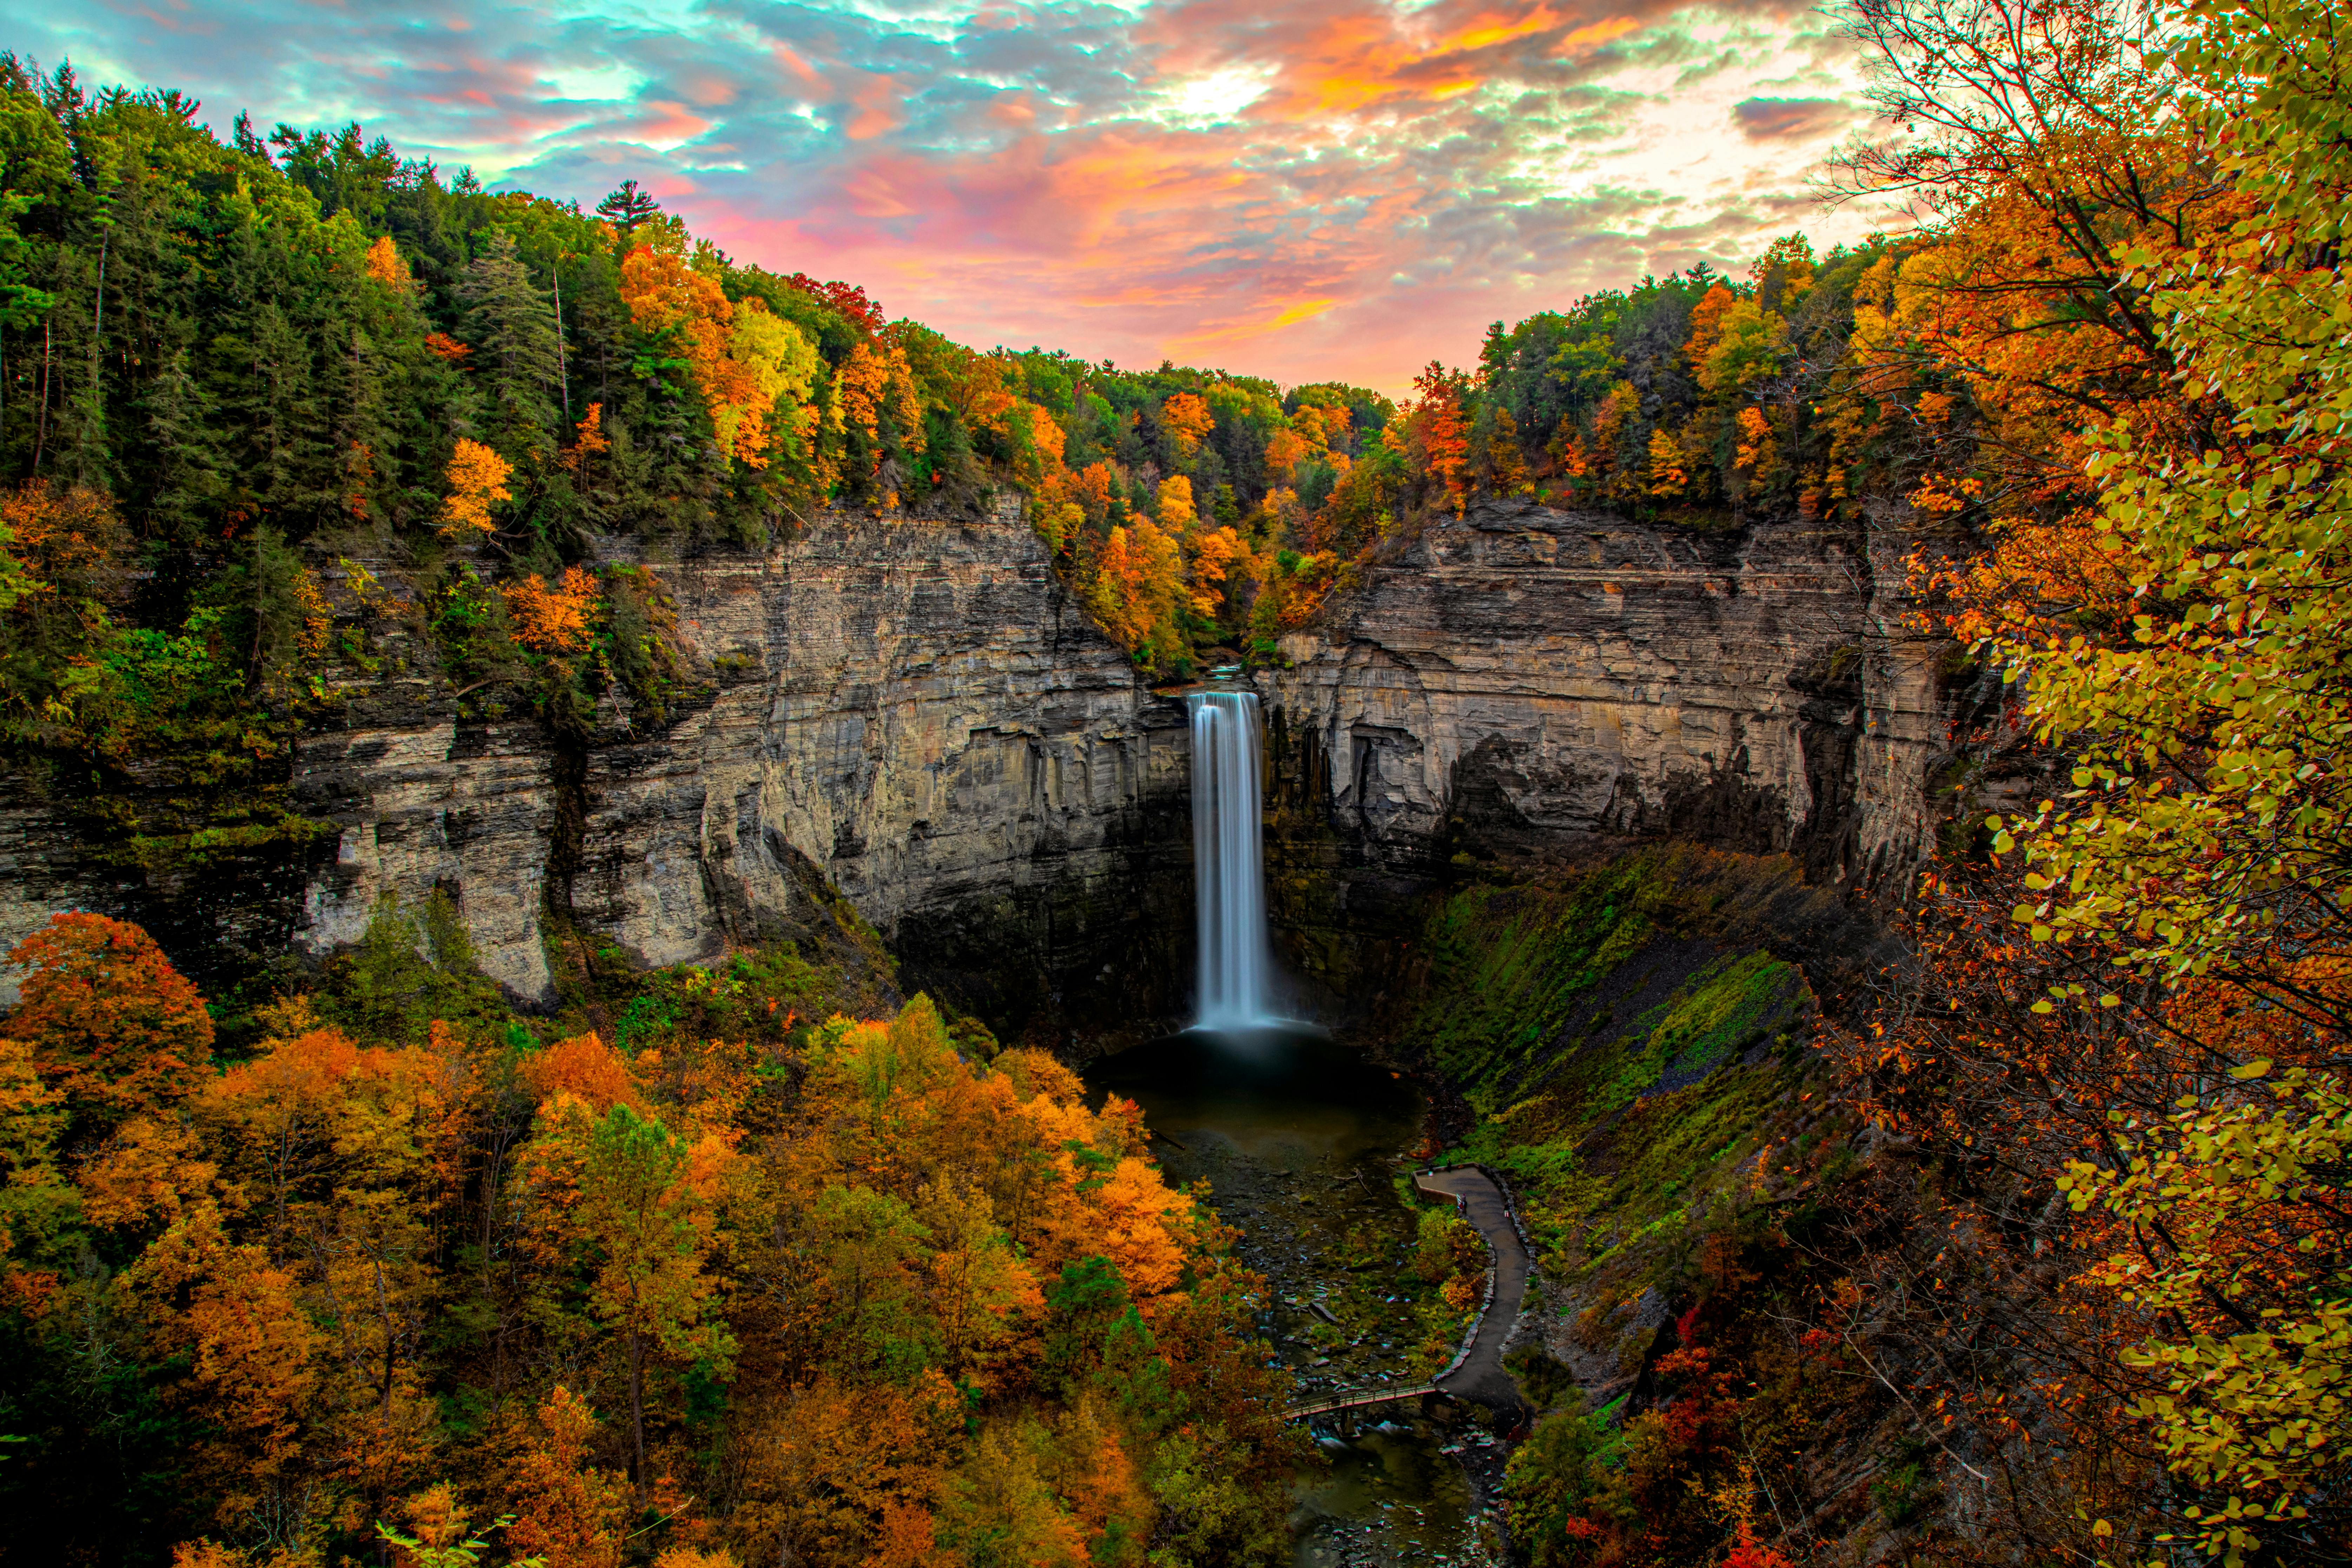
column 1358, row 1400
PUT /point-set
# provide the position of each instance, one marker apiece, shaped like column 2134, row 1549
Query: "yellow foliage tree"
column 1174, row 506
column 1748, row 345
column 385, row 266
column 477, row 479
column 743, row 358
column 1669, row 475
column 2255, row 1404
column 1213, row 555
column 1284, row 448
column 1140, row 589
column 1189, row 419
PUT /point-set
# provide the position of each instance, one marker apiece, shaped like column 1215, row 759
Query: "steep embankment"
column 1573, row 817
column 916, row 709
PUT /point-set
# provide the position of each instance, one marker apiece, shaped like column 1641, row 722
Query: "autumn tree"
column 2041, row 136
column 556, row 618
column 1173, row 508
column 747, row 363
column 1438, row 436
column 568, row 1512
column 477, row 479
column 2145, row 987
column 1189, row 419
column 36, row 1202
column 111, row 1029
column 640, row 1217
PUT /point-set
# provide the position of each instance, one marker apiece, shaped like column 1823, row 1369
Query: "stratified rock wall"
column 1526, row 681
column 918, row 711
column 1532, row 674
column 923, row 712
column 916, row 708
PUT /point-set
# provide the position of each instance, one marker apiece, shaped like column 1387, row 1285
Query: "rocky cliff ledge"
column 915, row 710
column 920, row 713
column 1526, row 681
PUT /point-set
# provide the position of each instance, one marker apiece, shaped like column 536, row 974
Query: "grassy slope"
column 1632, row 1047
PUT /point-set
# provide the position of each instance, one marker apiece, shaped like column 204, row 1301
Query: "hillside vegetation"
column 2046, row 1259
column 757, row 1280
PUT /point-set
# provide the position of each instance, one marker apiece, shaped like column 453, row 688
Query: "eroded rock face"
column 918, row 711
column 923, row 712
column 1526, row 680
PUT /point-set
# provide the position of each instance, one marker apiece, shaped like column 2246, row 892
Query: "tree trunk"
column 41, row 428
column 562, row 376
column 637, row 1410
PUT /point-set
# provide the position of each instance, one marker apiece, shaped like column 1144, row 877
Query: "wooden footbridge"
column 1478, row 1370
column 1344, row 1405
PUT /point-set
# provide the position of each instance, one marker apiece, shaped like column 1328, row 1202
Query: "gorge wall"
column 919, row 713
column 1526, row 681
column 916, row 711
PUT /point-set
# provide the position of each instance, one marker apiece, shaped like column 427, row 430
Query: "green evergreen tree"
column 183, row 490
column 514, row 344
column 627, row 207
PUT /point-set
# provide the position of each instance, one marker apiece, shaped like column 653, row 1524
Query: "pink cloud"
column 1378, row 184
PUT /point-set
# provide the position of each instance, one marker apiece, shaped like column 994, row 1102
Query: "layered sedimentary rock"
column 916, row 710
column 1528, row 680
column 918, row 713
column 1533, row 673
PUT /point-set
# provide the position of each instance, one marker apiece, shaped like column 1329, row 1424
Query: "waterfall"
column 1228, row 865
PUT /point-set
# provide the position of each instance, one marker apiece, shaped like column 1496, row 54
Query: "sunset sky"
column 1335, row 189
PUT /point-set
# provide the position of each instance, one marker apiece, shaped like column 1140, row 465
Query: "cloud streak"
column 1792, row 119
column 1330, row 189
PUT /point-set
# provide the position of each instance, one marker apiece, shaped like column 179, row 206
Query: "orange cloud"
column 1361, row 59
column 876, row 100
column 786, row 56
column 670, row 122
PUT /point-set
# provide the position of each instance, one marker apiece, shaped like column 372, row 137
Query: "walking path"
column 1478, row 1373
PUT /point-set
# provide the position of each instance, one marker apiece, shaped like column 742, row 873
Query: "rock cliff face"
column 919, row 713
column 1526, row 681
column 916, row 710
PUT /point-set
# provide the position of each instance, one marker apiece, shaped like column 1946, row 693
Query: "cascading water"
column 1228, row 869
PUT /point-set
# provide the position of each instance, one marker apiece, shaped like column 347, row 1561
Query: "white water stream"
column 1228, row 867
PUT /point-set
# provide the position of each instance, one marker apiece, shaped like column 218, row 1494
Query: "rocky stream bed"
column 1305, row 1145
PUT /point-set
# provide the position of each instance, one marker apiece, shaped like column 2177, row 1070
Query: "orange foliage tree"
column 553, row 618
column 109, row 1026
column 477, row 479
column 743, row 358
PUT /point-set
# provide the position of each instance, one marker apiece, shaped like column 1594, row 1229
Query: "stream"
column 1304, row 1144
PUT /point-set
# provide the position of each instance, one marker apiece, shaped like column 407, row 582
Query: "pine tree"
column 514, row 347
column 184, row 484
column 627, row 207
